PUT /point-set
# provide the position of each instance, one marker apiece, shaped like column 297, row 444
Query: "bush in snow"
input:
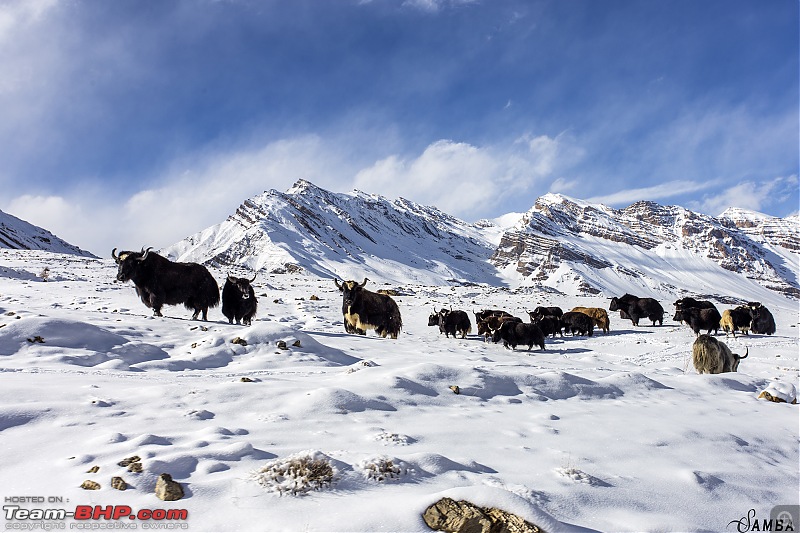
column 382, row 468
column 297, row 474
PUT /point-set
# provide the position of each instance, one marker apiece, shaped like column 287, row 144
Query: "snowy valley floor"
column 614, row 432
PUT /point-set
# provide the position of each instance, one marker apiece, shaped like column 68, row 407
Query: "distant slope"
column 20, row 235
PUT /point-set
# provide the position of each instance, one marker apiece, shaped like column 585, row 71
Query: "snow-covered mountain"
column 561, row 243
column 348, row 236
column 20, row 235
column 662, row 249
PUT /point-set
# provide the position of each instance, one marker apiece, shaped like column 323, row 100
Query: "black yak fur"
column 540, row 312
column 160, row 281
column 577, row 322
column 549, row 325
column 637, row 308
column 239, row 301
column 519, row 333
column 763, row 321
column 453, row 322
column 363, row 310
column 707, row 319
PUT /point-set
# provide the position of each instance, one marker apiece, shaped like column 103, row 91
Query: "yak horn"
column 114, row 255
column 365, row 282
column 254, row 277
column 338, row 286
column 746, row 351
column 145, row 252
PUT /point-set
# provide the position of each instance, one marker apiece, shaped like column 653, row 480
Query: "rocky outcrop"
column 464, row 517
column 560, row 231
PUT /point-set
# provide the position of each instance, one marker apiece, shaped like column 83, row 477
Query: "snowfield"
column 612, row 432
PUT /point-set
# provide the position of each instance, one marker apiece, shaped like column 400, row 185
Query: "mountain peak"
column 18, row 234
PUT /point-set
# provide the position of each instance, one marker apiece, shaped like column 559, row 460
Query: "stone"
column 314, row 298
column 127, row 461
column 296, row 344
column 167, row 489
column 240, row 341
column 245, row 379
column 282, row 345
column 465, row 517
column 93, row 470
column 455, row 388
column 90, row 485
column 118, row 483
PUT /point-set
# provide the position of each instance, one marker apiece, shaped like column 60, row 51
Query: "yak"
column 451, row 322
column 577, row 322
column 159, row 281
column 519, row 333
column 763, row 321
column 549, row 325
column 542, row 311
column 697, row 318
column 711, row 356
column 738, row 319
column 239, row 301
column 636, row 308
column 363, row 310
column 490, row 324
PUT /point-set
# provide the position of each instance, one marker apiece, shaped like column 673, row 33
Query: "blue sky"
column 133, row 123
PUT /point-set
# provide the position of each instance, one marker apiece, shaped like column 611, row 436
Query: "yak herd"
column 159, row 281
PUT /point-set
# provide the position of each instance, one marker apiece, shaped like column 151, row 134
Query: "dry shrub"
column 297, row 474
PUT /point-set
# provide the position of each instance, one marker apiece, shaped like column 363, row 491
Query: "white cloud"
column 466, row 180
column 433, row 6
column 748, row 195
column 656, row 192
column 563, row 185
column 193, row 195
column 462, row 179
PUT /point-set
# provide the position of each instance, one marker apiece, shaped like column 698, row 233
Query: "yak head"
column 616, row 304
column 737, row 358
column 433, row 319
column 242, row 285
column 350, row 290
column 128, row 263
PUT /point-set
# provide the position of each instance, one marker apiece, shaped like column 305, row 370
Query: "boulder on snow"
column 465, row 517
column 167, row 489
column 779, row 392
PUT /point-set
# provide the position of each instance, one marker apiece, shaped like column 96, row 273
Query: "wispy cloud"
column 190, row 196
column 751, row 195
column 467, row 180
column 656, row 192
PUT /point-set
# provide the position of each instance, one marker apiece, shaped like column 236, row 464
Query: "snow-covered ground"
column 615, row 432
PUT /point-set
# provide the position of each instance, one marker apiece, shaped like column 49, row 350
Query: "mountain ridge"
column 17, row 234
column 561, row 243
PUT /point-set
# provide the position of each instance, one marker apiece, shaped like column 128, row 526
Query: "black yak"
column 637, row 308
column 451, row 322
column 160, row 281
column 239, row 301
column 697, row 318
column 763, row 321
column 577, row 322
column 363, row 310
column 519, row 333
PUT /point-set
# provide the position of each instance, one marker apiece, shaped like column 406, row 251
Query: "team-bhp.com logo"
column 781, row 518
column 20, row 518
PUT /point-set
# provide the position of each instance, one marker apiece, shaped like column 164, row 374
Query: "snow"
column 614, row 432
